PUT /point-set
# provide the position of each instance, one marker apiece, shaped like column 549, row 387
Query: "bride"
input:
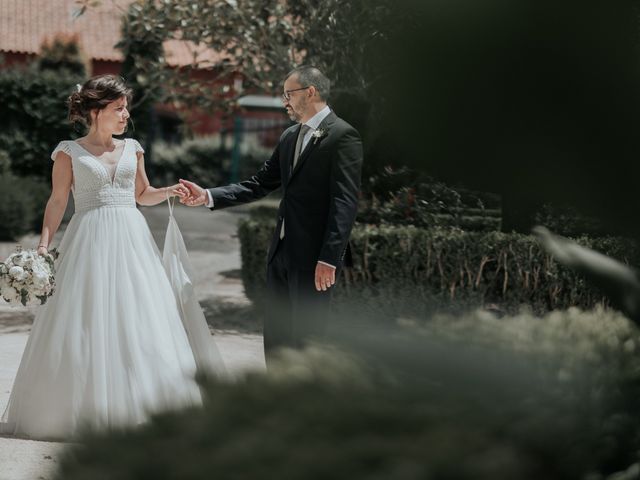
column 109, row 347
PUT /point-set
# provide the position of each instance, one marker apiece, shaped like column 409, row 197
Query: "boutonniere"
column 318, row 134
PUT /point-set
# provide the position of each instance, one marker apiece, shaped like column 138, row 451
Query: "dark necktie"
column 296, row 154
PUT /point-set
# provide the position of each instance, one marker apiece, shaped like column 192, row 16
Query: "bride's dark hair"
column 96, row 93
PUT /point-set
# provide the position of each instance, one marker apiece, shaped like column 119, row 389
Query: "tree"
column 259, row 41
column 63, row 53
column 535, row 99
column 34, row 116
column 141, row 47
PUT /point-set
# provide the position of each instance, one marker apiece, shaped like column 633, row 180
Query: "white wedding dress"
column 112, row 345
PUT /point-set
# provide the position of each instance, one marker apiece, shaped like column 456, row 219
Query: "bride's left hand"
column 178, row 190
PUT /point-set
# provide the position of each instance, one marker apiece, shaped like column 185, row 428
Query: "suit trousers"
column 296, row 312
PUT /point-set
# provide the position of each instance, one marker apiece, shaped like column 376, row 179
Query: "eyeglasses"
column 287, row 94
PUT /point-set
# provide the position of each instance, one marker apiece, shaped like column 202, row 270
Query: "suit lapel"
column 313, row 142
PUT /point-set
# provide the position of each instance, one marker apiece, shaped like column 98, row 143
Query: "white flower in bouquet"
column 10, row 294
column 17, row 259
column 18, row 273
column 40, row 277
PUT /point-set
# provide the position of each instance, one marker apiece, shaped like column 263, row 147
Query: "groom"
column 317, row 163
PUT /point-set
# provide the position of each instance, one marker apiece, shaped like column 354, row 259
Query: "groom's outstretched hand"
column 197, row 195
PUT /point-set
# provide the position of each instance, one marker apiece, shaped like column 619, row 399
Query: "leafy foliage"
column 425, row 83
column 34, row 116
column 207, row 160
column 401, row 197
column 275, row 35
column 481, row 398
column 478, row 96
column 33, row 99
column 22, row 204
column 141, row 44
column 568, row 221
column 63, row 53
column 5, row 162
column 404, row 270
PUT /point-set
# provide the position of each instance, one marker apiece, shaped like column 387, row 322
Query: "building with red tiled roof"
column 26, row 24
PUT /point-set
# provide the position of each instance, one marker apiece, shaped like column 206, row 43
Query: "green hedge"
column 205, row 160
column 5, row 162
column 22, row 204
column 470, row 398
column 406, row 197
column 427, row 206
column 410, row 270
column 34, row 116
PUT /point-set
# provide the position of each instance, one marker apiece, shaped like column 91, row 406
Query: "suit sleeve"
column 346, row 170
column 261, row 184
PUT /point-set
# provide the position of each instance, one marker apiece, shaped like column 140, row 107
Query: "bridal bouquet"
column 27, row 278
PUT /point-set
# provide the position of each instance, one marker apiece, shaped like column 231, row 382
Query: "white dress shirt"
column 313, row 123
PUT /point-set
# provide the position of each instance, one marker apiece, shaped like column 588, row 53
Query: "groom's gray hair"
column 309, row 75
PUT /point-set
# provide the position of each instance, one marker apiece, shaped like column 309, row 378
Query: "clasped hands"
column 177, row 190
column 196, row 195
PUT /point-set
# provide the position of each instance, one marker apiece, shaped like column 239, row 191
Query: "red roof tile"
column 25, row 24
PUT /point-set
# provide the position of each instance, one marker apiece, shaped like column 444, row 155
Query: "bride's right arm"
column 61, row 180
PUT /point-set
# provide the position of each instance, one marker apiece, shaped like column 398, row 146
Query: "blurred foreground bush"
column 415, row 271
column 474, row 397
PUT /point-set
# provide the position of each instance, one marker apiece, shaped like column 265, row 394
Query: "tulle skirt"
column 108, row 348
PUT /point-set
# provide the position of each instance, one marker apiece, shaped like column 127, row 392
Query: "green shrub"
column 63, row 53
column 34, row 116
column 415, row 271
column 475, row 398
column 205, row 160
column 402, row 197
column 568, row 221
column 22, row 204
column 5, row 162
column 255, row 237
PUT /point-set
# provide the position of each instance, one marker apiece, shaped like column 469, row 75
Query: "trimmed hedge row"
column 408, row 270
column 426, row 203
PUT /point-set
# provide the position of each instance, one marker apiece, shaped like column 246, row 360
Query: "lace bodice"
column 93, row 186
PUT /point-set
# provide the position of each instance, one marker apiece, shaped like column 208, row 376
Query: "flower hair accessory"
column 78, row 87
column 318, row 134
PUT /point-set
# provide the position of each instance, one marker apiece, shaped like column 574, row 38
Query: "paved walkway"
column 215, row 253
